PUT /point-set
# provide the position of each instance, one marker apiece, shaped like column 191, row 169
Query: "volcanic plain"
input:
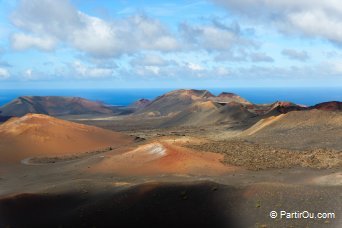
column 186, row 159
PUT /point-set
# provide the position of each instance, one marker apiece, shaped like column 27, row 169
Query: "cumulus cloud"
column 45, row 23
column 150, row 60
column 232, row 56
column 214, row 37
column 243, row 56
column 274, row 72
column 30, row 74
column 222, row 71
column 22, row 41
column 147, row 70
column 4, row 73
column 175, row 70
column 314, row 18
column 81, row 70
column 334, row 67
column 260, row 57
column 195, row 67
column 296, row 55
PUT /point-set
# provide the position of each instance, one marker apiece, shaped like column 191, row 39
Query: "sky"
column 170, row 44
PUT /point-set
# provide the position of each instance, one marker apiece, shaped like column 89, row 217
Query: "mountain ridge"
column 169, row 104
column 53, row 105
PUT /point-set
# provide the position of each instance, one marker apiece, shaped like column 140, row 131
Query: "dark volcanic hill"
column 210, row 113
column 197, row 107
column 225, row 97
column 329, row 106
column 282, row 107
column 4, row 118
column 181, row 100
column 53, row 105
column 139, row 104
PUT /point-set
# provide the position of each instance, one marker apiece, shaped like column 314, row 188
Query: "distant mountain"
column 200, row 107
column 4, row 118
column 174, row 102
column 276, row 108
column 53, row 105
column 42, row 135
column 204, row 113
column 139, row 104
column 225, row 97
column 282, row 107
column 178, row 104
column 329, row 106
column 197, row 107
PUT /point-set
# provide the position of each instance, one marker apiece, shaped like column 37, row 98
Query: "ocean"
column 304, row 96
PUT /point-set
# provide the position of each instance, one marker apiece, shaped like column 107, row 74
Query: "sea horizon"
column 125, row 96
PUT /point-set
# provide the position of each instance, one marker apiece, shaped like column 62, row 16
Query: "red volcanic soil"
column 329, row 106
column 41, row 135
column 163, row 158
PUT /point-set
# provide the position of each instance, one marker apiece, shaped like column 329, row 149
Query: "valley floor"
column 177, row 177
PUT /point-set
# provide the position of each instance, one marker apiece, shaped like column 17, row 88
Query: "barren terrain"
column 142, row 171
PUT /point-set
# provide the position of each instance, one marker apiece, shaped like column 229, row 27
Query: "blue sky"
column 169, row 44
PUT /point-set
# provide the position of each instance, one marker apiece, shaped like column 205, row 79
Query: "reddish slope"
column 41, row 135
column 163, row 158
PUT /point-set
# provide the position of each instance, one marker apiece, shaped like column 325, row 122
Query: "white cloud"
column 22, row 41
column 232, row 56
column 216, row 37
column 314, row 18
column 44, row 23
column 296, row 55
column 222, row 71
column 318, row 23
column 334, row 67
column 31, row 75
column 4, row 73
column 260, row 57
column 174, row 70
column 150, row 60
column 83, row 71
column 243, row 56
column 28, row 72
column 195, row 67
column 147, row 70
